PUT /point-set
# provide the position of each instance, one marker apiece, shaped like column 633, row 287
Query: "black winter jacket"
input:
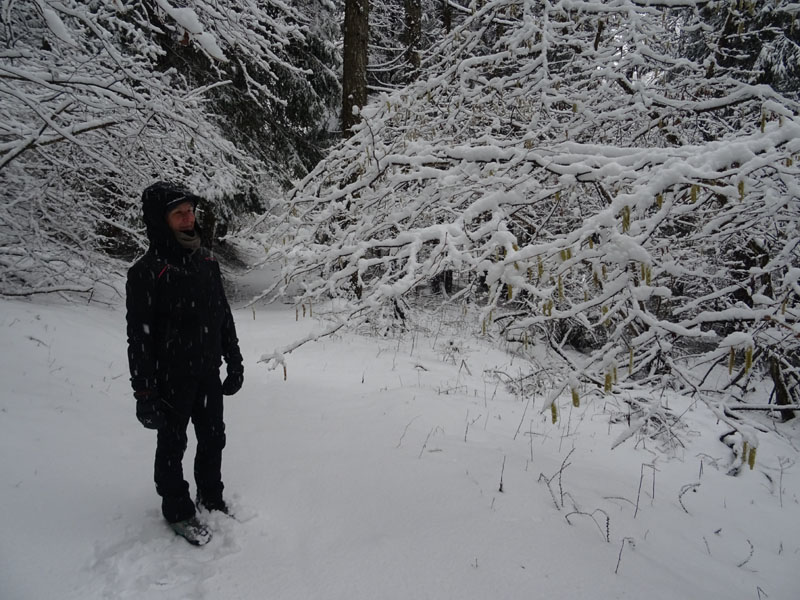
column 179, row 322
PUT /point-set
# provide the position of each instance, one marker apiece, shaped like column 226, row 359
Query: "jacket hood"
column 157, row 200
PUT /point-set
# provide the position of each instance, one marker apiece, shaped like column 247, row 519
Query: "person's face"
column 181, row 218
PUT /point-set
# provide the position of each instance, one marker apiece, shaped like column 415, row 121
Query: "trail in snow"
column 373, row 471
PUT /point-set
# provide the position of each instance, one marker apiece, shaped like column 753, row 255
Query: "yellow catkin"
column 660, row 200
column 615, row 374
column 510, row 291
column 605, row 273
column 744, row 450
column 789, row 162
column 591, row 243
column 648, row 275
column 626, row 218
column 748, row 359
column 751, row 458
column 596, row 279
column 554, row 412
column 576, row 399
column 607, row 385
column 630, row 362
column 741, row 190
column 784, row 305
column 731, row 361
column 539, row 267
column 693, row 193
column 560, row 289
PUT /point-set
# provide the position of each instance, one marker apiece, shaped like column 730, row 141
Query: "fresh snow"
column 187, row 19
column 373, row 471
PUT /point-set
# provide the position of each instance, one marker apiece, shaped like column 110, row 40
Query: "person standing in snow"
column 180, row 328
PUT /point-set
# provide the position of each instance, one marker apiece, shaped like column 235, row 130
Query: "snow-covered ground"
column 372, row 472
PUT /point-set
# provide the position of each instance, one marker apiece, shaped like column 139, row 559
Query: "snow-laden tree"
column 588, row 184
column 101, row 97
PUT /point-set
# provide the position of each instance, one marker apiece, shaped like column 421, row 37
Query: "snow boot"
column 193, row 531
column 213, row 504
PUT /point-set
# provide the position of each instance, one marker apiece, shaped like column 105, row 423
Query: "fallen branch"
column 278, row 356
column 52, row 290
column 767, row 407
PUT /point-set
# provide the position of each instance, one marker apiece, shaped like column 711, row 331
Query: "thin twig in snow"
column 691, row 486
column 400, row 442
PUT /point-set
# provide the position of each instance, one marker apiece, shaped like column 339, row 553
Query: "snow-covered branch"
column 642, row 228
column 100, row 98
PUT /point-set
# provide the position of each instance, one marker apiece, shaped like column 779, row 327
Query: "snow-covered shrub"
column 589, row 185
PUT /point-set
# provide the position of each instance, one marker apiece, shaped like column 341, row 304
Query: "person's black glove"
column 148, row 410
column 233, row 382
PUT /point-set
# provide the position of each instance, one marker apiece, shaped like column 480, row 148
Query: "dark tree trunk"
column 447, row 16
column 354, row 76
column 412, row 36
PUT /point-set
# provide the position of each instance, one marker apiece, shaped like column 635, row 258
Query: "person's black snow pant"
column 209, row 427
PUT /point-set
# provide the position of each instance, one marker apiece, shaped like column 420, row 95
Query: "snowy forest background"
column 609, row 188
